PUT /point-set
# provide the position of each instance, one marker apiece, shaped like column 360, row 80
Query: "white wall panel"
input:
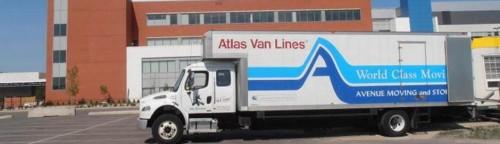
column 60, row 43
column 59, row 70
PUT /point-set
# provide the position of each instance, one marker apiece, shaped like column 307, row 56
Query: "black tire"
column 169, row 120
column 399, row 120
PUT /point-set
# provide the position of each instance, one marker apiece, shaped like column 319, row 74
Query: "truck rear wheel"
column 394, row 123
column 167, row 129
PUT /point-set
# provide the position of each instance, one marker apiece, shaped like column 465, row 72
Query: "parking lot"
column 120, row 129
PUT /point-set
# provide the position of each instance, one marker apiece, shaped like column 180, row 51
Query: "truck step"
column 203, row 125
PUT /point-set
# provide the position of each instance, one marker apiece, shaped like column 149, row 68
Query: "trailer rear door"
column 411, row 53
column 460, row 77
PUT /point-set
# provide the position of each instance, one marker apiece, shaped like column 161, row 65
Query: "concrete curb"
column 106, row 108
column 14, row 111
column 125, row 112
column 5, row 117
column 52, row 111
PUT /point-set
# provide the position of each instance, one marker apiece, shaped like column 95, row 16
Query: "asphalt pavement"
column 122, row 129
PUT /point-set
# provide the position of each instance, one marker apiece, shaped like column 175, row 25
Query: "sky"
column 23, row 33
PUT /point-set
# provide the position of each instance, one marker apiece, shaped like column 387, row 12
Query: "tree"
column 39, row 94
column 105, row 93
column 73, row 87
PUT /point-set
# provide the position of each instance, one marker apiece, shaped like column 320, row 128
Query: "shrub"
column 48, row 103
column 82, row 101
column 134, row 102
column 110, row 100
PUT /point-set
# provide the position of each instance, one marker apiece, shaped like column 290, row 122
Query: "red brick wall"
column 15, row 102
column 98, row 35
column 143, row 8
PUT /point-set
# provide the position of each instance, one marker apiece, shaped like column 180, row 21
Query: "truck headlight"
column 146, row 108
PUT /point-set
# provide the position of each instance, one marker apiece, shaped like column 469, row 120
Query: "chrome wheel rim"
column 167, row 130
column 397, row 123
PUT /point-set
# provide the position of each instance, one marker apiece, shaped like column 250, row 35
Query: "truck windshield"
column 178, row 82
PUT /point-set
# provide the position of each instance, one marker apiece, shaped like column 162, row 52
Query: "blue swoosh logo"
column 351, row 94
column 349, row 72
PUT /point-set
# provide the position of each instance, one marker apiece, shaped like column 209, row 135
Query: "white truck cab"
column 202, row 88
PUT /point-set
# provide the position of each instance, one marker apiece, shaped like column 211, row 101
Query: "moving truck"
column 249, row 76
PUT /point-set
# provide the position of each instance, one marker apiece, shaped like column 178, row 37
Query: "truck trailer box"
column 248, row 78
column 304, row 71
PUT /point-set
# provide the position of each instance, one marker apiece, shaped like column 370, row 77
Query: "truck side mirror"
column 190, row 80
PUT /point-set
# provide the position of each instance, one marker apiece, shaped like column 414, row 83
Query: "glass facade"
column 160, row 74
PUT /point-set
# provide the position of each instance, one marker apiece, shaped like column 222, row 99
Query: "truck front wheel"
column 394, row 123
column 167, row 129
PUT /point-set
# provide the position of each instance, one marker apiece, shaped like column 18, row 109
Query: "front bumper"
column 142, row 123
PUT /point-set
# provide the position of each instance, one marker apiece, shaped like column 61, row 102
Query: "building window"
column 162, row 19
column 173, row 19
column 194, row 18
column 342, row 15
column 259, row 17
column 446, row 18
column 492, row 67
column 58, row 83
column 285, row 16
column 305, row 16
column 332, row 15
column 173, row 41
column 59, row 56
column 162, row 41
column 215, row 18
column 356, row 14
column 223, row 78
column 240, row 17
column 191, row 41
column 157, row 17
column 59, row 29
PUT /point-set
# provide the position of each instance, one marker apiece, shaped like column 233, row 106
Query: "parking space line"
column 77, row 131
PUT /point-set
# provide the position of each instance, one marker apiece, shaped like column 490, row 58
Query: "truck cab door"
column 225, row 90
column 199, row 90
